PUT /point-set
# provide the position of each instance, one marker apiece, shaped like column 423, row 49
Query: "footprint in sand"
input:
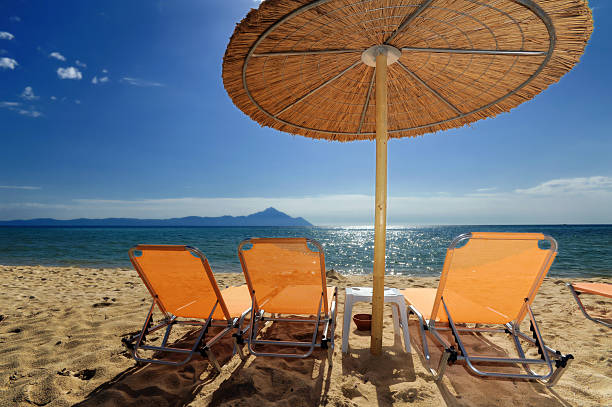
column 355, row 390
column 85, row 374
column 64, row 372
column 411, row 395
column 41, row 393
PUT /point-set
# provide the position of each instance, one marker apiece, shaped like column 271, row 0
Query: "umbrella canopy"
column 372, row 69
column 296, row 65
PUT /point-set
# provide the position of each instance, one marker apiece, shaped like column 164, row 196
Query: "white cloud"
column 566, row 186
column 140, row 82
column 78, row 102
column 53, row 98
column 8, row 63
column 26, row 187
column 105, row 71
column 6, row 35
column 16, row 19
column 57, row 56
column 81, row 64
column 24, row 111
column 97, row 80
column 28, row 94
column 29, row 112
column 9, row 104
column 486, row 189
column 69, row 73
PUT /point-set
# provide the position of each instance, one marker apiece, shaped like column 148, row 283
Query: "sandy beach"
column 60, row 345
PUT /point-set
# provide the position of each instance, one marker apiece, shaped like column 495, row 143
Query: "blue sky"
column 117, row 108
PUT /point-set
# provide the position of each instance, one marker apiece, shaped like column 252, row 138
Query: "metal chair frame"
column 549, row 356
column 327, row 338
column 135, row 343
column 259, row 317
column 555, row 361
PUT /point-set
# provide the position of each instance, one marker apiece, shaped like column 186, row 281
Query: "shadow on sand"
column 270, row 380
column 162, row 385
column 252, row 382
column 359, row 378
column 392, row 375
column 461, row 387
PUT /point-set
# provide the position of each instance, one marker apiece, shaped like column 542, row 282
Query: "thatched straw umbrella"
column 371, row 69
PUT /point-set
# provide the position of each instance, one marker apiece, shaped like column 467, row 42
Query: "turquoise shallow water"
column 583, row 250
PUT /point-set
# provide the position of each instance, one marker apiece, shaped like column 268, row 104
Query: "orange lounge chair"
column 287, row 279
column 602, row 289
column 182, row 285
column 491, row 280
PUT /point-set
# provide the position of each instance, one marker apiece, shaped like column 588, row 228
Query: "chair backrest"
column 488, row 279
column 180, row 280
column 275, row 265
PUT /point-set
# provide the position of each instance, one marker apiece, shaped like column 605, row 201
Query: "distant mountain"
column 268, row 217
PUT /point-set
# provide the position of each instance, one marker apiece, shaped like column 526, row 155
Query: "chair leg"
column 422, row 328
column 332, row 331
column 238, row 349
column 212, row 358
column 403, row 317
column 239, row 335
column 441, row 366
column 348, row 311
column 581, row 306
column 395, row 316
column 558, row 373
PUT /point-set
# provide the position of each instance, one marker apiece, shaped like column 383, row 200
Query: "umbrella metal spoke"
column 305, row 52
column 367, row 101
column 408, row 20
column 477, row 51
column 315, row 90
column 429, row 88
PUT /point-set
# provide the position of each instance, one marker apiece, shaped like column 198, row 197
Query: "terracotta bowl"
column 363, row 321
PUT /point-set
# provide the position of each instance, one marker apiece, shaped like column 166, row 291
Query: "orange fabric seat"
column 602, row 289
column 286, row 279
column 237, row 300
column 486, row 280
column 285, row 275
column 421, row 298
column 183, row 284
column 464, row 310
column 297, row 300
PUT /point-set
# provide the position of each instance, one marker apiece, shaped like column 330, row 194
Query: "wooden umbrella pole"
column 380, row 210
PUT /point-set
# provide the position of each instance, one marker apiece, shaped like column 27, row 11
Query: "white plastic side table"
column 364, row 294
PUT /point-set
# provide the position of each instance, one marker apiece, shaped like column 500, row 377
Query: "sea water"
column 584, row 250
